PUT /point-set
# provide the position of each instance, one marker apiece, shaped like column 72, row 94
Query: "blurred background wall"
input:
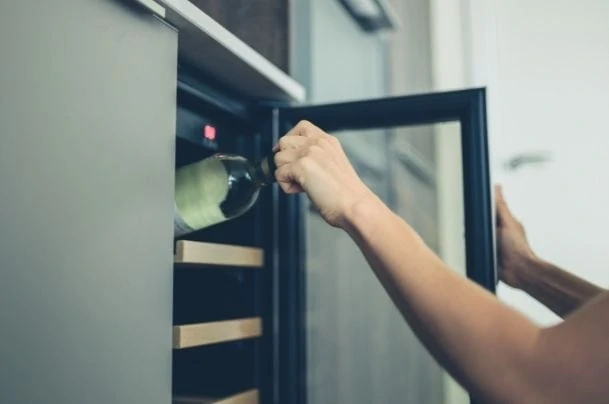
column 545, row 64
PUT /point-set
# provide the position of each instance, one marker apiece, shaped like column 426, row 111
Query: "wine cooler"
column 239, row 286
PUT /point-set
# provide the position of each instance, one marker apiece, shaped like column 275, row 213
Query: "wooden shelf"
column 194, row 252
column 248, row 397
column 191, row 335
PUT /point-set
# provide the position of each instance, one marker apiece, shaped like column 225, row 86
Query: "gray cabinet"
column 87, row 111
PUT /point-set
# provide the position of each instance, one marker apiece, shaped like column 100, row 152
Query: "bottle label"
column 200, row 189
column 180, row 227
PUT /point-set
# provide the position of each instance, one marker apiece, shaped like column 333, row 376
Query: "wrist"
column 529, row 268
column 362, row 213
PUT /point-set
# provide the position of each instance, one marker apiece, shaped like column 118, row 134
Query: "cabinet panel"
column 87, row 123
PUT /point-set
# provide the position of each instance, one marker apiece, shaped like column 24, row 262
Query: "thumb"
column 504, row 215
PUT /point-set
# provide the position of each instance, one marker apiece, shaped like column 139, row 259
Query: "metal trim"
column 193, row 88
column 152, row 6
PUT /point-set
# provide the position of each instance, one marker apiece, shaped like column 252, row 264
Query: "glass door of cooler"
column 426, row 157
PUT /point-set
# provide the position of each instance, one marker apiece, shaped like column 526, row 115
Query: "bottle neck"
column 264, row 171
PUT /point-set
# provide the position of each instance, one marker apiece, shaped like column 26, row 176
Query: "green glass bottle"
column 216, row 189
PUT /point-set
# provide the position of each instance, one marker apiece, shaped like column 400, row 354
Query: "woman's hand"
column 514, row 253
column 309, row 160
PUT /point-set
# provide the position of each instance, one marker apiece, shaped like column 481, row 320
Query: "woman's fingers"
column 292, row 142
column 504, row 215
column 310, row 160
column 306, row 129
column 287, row 156
column 303, row 134
column 290, row 177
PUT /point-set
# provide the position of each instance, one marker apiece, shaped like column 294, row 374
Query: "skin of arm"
column 520, row 268
column 497, row 354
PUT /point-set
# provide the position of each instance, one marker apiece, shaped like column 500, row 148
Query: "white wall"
column 546, row 63
column 546, row 66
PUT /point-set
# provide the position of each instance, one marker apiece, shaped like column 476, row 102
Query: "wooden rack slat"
column 191, row 335
column 247, row 397
column 195, row 252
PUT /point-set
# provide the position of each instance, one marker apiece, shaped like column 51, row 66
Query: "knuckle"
column 324, row 143
column 333, row 140
column 304, row 126
column 314, row 150
column 308, row 129
column 305, row 163
column 281, row 173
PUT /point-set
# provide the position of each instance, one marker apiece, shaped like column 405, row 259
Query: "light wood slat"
column 248, row 397
column 186, row 336
column 194, row 252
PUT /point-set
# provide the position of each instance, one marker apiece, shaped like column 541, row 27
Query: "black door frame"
column 468, row 107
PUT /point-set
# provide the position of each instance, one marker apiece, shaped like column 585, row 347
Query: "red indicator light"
column 209, row 132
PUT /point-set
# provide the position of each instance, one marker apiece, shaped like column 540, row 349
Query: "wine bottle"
column 216, row 189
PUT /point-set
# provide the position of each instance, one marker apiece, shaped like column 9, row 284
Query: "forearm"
column 483, row 344
column 557, row 289
column 496, row 353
